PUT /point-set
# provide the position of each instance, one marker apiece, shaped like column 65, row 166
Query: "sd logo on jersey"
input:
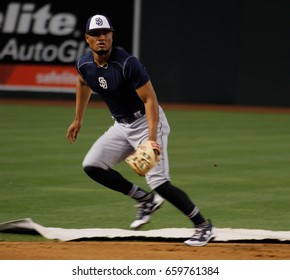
column 103, row 83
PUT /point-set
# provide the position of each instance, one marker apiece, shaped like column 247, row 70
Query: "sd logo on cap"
column 98, row 22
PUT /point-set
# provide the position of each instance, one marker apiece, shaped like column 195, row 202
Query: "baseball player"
column 124, row 84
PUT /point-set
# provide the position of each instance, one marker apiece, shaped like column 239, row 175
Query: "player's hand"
column 72, row 131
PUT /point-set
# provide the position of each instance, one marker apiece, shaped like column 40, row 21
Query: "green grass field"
column 234, row 165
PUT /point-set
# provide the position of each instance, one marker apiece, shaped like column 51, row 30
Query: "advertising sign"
column 40, row 41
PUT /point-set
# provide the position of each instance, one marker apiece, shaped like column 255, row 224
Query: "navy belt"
column 128, row 120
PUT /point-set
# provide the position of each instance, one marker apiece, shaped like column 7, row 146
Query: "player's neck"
column 102, row 59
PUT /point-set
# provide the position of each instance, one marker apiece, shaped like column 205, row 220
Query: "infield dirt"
column 133, row 250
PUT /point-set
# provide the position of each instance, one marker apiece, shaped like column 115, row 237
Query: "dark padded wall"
column 223, row 52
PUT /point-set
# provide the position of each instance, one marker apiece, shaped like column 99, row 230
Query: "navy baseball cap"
column 98, row 22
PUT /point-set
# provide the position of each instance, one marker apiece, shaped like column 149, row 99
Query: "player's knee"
column 90, row 163
column 88, row 170
column 94, row 172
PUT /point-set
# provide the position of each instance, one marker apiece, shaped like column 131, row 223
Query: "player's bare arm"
column 83, row 93
column 148, row 96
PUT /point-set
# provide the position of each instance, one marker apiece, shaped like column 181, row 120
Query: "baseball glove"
column 145, row 157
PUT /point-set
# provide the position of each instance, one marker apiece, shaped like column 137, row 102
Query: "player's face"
column 100, row 41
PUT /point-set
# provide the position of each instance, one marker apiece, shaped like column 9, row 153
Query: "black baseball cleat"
column 202, row 235
column 145, row 209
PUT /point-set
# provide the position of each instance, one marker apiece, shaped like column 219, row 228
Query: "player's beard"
column 102, row 52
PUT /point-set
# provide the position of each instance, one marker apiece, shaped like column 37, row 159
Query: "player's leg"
column 136, row 133
column 204, row 230
column 159, row 180
column 111, row 148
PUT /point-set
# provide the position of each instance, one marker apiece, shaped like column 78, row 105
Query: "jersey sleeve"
column 135, row 72
column 77, row 66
